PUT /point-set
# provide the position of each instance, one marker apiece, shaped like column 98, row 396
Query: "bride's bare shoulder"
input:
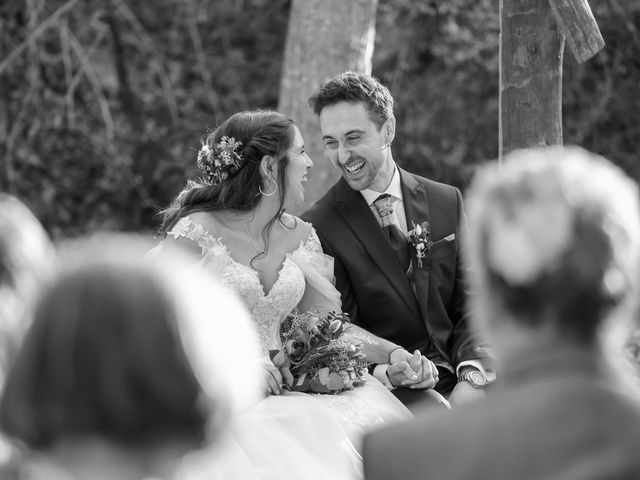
column 298, row 229
column 208, row 220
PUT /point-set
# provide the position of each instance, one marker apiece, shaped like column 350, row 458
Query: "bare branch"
column 65, row 48
column 157, row 63
column 95, row 83
column 18, row 123
column 12, row 136
column 36, row 33
column 626, row 19
column 201, row 57
column 602, row 100
column 77, row 77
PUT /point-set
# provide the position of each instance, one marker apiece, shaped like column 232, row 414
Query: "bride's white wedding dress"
column 293, row 435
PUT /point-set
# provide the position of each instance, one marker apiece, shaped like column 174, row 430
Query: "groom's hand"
column 415, row 371
column 429, row 376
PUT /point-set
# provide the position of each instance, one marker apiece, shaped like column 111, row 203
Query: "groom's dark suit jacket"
column 376, row 292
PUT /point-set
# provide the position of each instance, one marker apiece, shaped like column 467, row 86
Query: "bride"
column 235, row 220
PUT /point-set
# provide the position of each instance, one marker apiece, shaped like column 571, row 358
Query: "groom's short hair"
column 355, row 87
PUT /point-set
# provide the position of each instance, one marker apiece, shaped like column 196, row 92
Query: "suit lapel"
column 416, row 208
column 358, row 216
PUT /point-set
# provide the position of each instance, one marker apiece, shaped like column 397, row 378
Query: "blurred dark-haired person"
column 396, row 242
column 123, row 372
column 554, row 249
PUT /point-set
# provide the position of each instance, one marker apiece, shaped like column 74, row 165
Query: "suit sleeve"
column 467, row 343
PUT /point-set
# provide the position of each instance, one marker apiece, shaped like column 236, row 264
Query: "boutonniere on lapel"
column 420, row 238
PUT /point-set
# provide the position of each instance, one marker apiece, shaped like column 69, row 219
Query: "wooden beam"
column 579, row 27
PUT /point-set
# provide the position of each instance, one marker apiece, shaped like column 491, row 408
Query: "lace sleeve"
column 195, row 232
column 356, row 333
column 211, row 249
column 312, row 244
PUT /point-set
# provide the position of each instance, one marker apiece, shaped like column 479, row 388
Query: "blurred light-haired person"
column 27, row 257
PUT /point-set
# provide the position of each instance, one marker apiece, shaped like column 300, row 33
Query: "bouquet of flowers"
column 317, row 356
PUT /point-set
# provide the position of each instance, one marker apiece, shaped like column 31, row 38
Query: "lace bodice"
column 267, row 309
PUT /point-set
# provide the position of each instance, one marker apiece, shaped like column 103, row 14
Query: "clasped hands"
column 411, row 370
column 414, row 371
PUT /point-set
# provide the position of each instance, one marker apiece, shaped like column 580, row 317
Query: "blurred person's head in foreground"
column 554, row 246
column 27, row 257
column 131, row 349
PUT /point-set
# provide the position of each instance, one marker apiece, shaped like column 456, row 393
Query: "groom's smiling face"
column 356, row 146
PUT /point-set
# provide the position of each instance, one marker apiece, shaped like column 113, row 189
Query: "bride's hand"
column 282, row 363
column 273, row 378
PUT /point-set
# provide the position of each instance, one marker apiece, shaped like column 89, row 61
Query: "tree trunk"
column 325, row 37
column 531, row 52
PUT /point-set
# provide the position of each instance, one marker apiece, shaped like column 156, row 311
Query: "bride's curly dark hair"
column 261, row 132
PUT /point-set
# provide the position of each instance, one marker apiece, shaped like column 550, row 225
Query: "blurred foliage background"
column 102, row 103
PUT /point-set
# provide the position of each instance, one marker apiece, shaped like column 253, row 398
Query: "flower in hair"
column 220, row 161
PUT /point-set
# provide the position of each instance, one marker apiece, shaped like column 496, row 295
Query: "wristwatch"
column 474, row 377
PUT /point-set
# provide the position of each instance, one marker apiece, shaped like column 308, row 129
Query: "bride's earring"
column 270, row 194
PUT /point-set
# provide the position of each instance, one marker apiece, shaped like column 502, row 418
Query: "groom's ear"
column 389, row 129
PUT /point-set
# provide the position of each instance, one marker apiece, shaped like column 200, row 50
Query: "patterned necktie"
column 394, row 235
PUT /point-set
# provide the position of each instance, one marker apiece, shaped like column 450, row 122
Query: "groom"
column 410, row 292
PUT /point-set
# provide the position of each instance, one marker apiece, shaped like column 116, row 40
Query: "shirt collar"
column 394, row 189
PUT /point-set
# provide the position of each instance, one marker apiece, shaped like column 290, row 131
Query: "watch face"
column 476, row 378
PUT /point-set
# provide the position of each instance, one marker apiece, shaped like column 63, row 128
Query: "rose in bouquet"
column 317, row 355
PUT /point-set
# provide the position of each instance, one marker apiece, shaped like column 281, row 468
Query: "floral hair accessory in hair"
column 221, row 160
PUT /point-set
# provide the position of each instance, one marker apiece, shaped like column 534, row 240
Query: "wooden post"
column 532, row 36
column 531, row 51
column 325, row 37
